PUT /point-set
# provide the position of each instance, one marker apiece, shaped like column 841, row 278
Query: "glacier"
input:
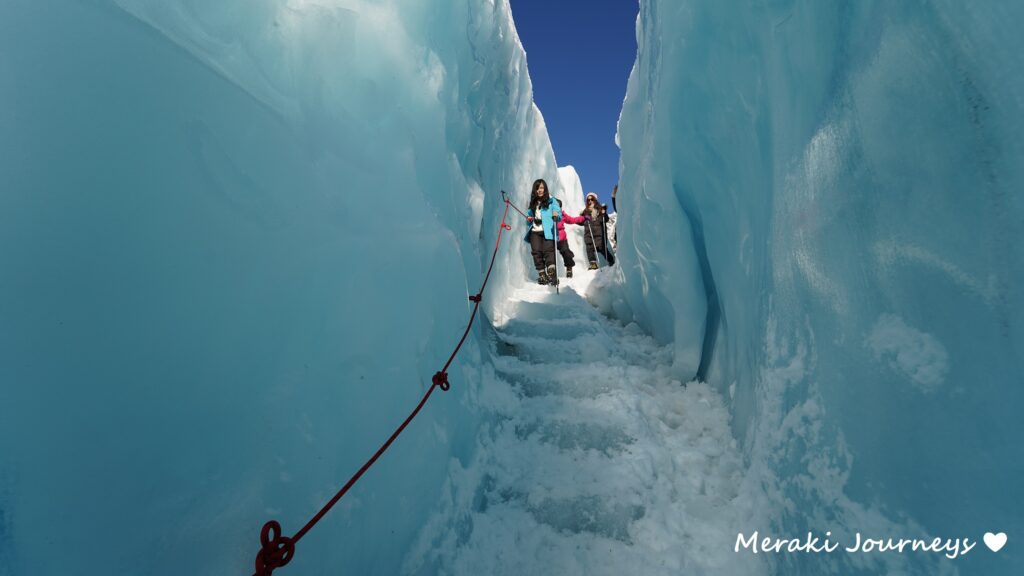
column 834, row 188
column 237, row 239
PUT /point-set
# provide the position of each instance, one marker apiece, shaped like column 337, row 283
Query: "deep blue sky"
column 580, row 53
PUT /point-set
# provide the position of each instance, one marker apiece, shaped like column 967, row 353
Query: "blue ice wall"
column 841, row 186
column 236, row 239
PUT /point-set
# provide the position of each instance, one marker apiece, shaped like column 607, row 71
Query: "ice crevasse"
column 237, row 237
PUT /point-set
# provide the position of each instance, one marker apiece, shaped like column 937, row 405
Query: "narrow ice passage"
column 598, row 462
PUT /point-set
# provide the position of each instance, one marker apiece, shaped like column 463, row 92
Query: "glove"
column 529, row 219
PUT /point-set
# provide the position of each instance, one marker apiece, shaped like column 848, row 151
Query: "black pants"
column 593, row 237
column 566, row 252
column 543, row 251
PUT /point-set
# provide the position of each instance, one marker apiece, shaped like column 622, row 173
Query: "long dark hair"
column 543, row 201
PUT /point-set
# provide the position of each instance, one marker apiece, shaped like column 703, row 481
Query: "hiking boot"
column 552, row 275
column 542, row 277
column 568, row 272
column 593, row 266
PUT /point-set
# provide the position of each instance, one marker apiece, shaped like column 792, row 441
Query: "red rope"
column 509, row 202
column 277, row 550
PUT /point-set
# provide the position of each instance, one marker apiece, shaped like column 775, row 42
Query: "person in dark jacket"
column 595, row 231
column 542, row 217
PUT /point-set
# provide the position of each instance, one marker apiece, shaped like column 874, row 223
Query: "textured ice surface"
column 596, row 461
column 236, row 240
column 848, row 176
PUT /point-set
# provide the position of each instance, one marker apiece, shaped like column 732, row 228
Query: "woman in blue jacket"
column 542, row 216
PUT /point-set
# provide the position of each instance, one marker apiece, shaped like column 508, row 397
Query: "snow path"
column 597, row 462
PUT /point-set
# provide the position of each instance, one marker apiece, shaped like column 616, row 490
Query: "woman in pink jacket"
column 563, row 242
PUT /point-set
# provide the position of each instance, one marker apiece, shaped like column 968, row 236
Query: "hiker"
column 542, row 216
column 563, row 242
column 595, row 231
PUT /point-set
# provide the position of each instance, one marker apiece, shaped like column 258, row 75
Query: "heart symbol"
column 995, row 542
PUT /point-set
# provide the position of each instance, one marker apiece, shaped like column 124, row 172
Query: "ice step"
column 572, row 379
column 608, row 514
column 530, row 311
column 552, row 472
column 568, row 435
column 574, row 388
column 589, row 514
column 579, row 347
column 558, row 328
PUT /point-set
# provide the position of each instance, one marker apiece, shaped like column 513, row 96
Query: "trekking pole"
column 592, row 241
column 604, row 240
column 554, row 254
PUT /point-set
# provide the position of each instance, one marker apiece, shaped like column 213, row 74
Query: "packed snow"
column 596, row 460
